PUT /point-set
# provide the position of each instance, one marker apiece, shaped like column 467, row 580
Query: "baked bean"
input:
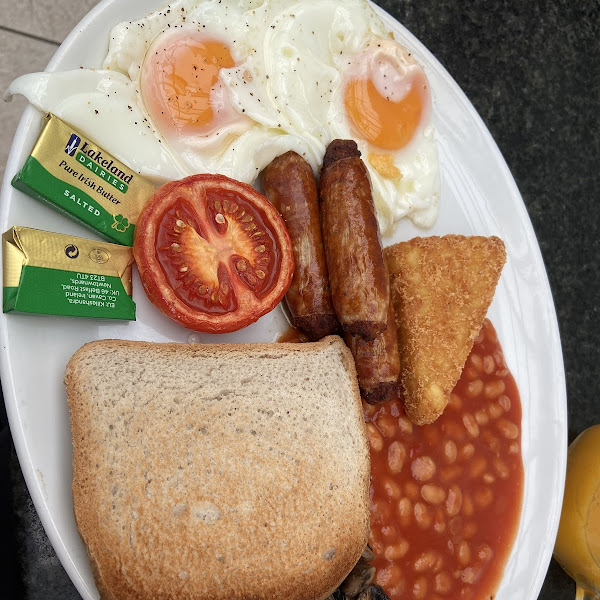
column 439, row 523
column 477, row 467
column 405, row 425
column 491, row 441
column 455, row 526
column 484, row 497
column 489, row 364
column 468, row 508
column 474, row 388
column 450, row 451
column 471, row 425
column 375, row 438
column 470, row 373
column 501, row 468
column 466, row 452
column 392, row 489
column 470, row 575
column 426, row 561
column 419, row 588
column 389, row 531
column 469, row 530
column 495, row 410
column 396, row 456
column 423, row 468
column 455, row 402
column 490, row 332
column 477, row 362
column 454, row 431
column 387, row 426
column 493, row 389
column 433, row 494
column 405, row 509
column 485, row 553
column 369, row 409
column 482, row 417
column 442, row 583
column 423, row 515
column 388, row 576
column 504, row 402
column 397, row 550
column 463, row 553
column 450, row 473
column 381, row 511
column 508, row 429
column 411, row 489
column 434, row 487
column 453, row 501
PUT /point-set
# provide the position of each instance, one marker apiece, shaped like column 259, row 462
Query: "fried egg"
column 225, row 87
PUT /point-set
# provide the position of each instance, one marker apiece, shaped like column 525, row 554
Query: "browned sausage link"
column 377, row 362
column 360, row 287
column 290, row 186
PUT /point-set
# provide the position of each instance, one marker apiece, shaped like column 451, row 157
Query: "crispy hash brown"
column 441, row 290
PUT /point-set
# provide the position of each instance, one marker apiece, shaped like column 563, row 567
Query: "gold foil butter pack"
column 80, row 179
column 56, row 274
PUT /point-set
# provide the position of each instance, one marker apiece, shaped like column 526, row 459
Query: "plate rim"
column 19, row 437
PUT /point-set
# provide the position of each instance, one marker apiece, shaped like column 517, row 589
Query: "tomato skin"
column 249, row 305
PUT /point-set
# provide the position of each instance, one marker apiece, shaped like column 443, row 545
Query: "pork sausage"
column 358, row 277
column 377, row 362
column 290, row 185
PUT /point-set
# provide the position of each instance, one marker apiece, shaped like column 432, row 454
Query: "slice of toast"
column 218, row 471
column 441, row 289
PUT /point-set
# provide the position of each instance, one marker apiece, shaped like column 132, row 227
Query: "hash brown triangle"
column 441, row 289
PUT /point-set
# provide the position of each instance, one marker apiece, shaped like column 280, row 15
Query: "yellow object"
column 577, row 546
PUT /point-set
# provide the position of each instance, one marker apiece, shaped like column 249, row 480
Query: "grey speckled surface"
column 532, row 70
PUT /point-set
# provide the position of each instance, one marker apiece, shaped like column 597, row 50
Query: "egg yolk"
column 381, row 121
column 179, row 77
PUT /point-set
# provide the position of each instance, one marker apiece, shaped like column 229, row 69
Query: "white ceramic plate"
column 479, row 196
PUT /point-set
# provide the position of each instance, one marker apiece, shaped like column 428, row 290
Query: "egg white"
column 291, row 62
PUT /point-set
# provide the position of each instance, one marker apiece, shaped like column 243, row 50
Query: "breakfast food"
column 441, row 290
column 577, row 546
column 358, row 274
column 218, row 471
column 213, row 254
column 289, row 184
column 55, row 274
column 377, row 362
column 83, row 181
column 224, row 87
column 446, row 497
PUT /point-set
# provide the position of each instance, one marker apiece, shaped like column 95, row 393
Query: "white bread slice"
column 218, row 471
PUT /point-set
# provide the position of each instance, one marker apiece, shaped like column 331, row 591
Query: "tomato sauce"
column 446, row 497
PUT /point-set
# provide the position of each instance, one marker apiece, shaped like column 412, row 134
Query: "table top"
column 532, row 71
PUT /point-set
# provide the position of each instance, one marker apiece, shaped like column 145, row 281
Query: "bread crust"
column 188, row 483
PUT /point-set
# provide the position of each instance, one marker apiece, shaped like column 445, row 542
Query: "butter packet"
column 55, row 274
column 77, row 177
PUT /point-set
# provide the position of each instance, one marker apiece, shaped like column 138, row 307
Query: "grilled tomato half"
column 213, row 254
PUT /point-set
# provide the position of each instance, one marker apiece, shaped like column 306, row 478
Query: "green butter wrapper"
column 77, row 177
column 55, row 274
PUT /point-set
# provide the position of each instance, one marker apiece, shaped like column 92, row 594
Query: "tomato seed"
column 219, row 218
column 241, row 265
column 183, row 269
column 246, row 219
column 202, row 290
column 260, row 249
column 175, row 247
column 260, row 274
